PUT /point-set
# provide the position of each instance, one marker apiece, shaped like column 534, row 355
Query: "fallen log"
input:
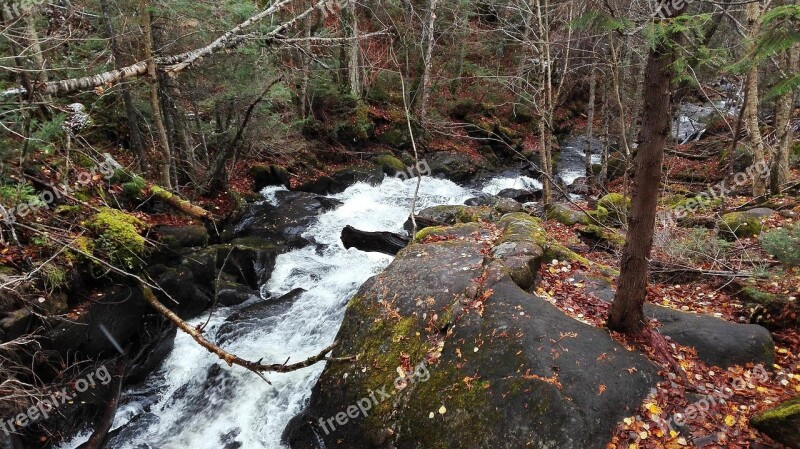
column 374, row 242
column 179, row 203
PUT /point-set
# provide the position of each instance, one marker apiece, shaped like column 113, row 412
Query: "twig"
column 227, row 357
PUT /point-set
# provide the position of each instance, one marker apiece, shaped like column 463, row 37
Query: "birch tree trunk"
column 428, row 40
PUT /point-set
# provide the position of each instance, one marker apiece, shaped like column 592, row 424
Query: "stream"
column 191, row 401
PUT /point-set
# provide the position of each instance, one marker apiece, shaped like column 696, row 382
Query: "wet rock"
column 453, row 166
column 506, row 384
column 175, row 237
column 120, row 310
column 256, row 315
column 234, row 293
column 484, row 199
column 521, row 195
column 153, row 343
column 283, row 223
column 370, row 174
column 272, row 175
column 781, row 423
column 579, row 187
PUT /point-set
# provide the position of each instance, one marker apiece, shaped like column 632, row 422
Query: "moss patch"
column 739, row 225
column 117, row 237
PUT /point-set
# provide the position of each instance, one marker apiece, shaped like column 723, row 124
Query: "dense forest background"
column 121, row 117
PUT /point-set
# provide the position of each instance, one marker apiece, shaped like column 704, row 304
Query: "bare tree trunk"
column 428, row 39
column 779, row 170
column 627, row 311
column 590, row 124
column 751, row 106
column 606, row 117
column 354, row 52
column 155, row 104
column 130, row 110
column 623, row 112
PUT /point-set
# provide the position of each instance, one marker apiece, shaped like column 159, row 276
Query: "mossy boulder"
column 459, row 355
column 781, row 423
column 456, row 214
column 617, row 206
column 565, row 215
column 390, row 164
column 187, row 236
column 736, row 225
column 117, row 236
column 396, row 137
column 603, row 237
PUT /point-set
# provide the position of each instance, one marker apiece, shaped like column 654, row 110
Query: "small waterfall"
column 193, row 402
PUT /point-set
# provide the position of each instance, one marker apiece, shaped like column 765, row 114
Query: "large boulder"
column 736, row 225
column 272, row 175
column 457, row 354
column 564, row 214
column 453, row 166
column 103, row 321
column 781, row 423
column 718, row 342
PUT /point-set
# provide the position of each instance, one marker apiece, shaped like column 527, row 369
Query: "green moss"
column 739, row 225
column 695, row 203
column 564, row 214
column 122, row 176
column 779, row 413
column 616, row 205
column 53, row 276
column 67, row 210
column 753, row 294
column 427, row 232
column 603, row 234
column 134, row 188
column 117, row 237
column 599, row 215
column 390, row 164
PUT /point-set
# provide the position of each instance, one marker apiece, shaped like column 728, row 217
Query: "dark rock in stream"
column 254, row 316
column 521, row 195
column 285, row 223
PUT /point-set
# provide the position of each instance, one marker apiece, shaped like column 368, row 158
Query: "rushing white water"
column 237, row 409
column 497, row 185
